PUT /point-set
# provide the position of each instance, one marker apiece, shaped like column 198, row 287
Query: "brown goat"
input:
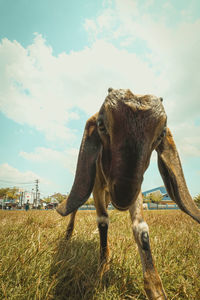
column 115, row 152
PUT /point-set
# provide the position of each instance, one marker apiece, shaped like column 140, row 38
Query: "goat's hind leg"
column 70, row 226
column 152, row 282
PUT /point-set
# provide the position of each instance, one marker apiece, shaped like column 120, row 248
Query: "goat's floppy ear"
column 171, row 171
column 85, row 170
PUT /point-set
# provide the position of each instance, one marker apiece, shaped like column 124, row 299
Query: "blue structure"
column 163, row 191
column 166, row 202
column 92, row 207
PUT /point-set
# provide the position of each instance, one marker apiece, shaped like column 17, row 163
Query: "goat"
column 115, row 152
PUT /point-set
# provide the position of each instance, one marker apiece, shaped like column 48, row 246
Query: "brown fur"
column 115, row 152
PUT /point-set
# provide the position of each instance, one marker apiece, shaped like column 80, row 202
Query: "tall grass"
column 38, row 263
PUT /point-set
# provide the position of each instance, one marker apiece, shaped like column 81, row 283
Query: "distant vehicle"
column 51, row 205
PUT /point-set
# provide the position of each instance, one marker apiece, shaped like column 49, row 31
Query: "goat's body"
column 152, row 282
column 114, row 155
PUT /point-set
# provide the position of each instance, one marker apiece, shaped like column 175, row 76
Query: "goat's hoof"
column 155, row 291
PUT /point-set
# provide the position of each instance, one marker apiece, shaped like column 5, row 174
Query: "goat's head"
column 130, row 128
column 122, row 137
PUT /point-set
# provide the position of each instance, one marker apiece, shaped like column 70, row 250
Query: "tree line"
column 13, row 193
column 9, row 193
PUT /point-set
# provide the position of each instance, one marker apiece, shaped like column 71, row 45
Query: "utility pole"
column 21, row 198
column 33, row 196
column 36, row 191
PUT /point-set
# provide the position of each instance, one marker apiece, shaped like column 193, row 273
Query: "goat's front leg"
column 152, row 282
column 100, row 199
column 102, row 222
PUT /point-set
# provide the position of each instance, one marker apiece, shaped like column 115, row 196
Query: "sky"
column 57, row 61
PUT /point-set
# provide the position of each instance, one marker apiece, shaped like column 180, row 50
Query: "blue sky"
column 57, row 60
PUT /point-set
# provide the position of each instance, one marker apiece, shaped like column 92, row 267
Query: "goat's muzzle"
column 124, row 192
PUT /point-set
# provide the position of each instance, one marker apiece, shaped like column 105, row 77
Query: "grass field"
column 37, row 263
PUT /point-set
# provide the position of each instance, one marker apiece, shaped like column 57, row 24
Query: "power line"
column 13, row 182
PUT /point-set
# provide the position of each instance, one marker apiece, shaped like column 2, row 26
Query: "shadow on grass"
column 74, row 269
column 74, row 274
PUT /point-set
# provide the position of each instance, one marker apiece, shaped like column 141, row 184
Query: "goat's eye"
column 163, row 134
column 101, row 126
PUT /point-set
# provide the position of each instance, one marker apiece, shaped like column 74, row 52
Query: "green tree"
column 13, row 193
column 46, row 199
column 59, row 197
column 9, row 193
column 156, row 197
column 3, row 192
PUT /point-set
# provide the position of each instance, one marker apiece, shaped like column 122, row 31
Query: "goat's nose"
column 161, row 99
column 119, row 189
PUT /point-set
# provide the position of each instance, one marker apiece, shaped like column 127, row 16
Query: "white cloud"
column 171, row 58
column 15, row 177
column 41, row 90
column 187, row 138
column 32, row 89
column 66, row 159
column 174, row 49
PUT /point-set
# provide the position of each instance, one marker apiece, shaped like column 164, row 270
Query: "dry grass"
column 37, row 263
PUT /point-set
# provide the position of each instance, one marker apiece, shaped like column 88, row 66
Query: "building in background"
column 165, row 197
column 158, row 198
